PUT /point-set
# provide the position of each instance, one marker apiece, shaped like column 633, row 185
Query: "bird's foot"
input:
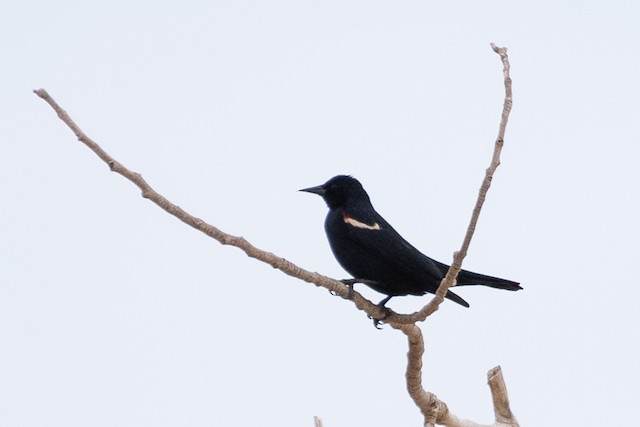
column 377, row 322
column 385, row 312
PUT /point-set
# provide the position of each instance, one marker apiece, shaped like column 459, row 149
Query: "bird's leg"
column 381, row 304
column 384, row 301
column 349, row 283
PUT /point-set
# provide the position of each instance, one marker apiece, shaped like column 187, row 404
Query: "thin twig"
column 450, row 278
column 273, row 260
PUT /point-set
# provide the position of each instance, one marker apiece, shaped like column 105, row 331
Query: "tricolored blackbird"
column 375, row 254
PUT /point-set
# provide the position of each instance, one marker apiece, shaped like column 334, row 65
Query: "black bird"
column 375, row 254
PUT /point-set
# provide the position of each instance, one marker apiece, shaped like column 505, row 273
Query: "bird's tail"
column 466, row 278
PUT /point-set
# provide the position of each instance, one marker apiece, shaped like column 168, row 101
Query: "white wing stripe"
column 359, row 224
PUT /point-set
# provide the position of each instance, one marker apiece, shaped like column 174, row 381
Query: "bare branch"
column 287, row 267
column 500, row 397
column 436, row 411
column 430, row 406
column 500, row 402
column 458, row 256
column 433, row 409
column 273, row 260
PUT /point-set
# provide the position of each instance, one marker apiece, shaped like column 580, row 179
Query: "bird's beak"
column 319, row 190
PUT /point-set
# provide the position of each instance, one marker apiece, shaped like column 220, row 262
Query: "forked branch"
column 436, row 411
column 433, row 409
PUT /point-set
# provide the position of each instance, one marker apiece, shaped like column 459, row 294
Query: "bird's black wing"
column 391, row 252
column 369, row 248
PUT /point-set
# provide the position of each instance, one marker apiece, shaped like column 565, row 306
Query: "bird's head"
column 339, row 191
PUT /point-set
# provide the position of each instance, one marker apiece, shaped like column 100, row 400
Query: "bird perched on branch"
column 375, row 254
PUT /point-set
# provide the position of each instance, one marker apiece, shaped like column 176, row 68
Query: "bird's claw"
column 385, row 313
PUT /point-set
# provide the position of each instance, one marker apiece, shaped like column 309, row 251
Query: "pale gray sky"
column 113, row 313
